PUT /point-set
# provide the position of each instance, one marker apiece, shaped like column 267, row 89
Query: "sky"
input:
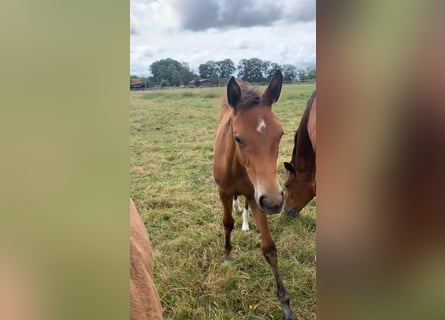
column 196, row 31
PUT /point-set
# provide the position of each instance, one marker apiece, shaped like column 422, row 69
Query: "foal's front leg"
column 270, row 253
column 228, row 223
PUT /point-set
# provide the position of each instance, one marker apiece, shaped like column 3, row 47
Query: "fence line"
column 216, row 86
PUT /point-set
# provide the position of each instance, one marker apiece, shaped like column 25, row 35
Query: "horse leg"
column 245, row 212
column 270, row 253
column 228, row 223
column 235, row 205
column 245, row 226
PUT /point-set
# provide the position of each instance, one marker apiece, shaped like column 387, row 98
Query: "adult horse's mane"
column 302, row 142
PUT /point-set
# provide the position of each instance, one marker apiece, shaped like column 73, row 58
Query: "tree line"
column 169, row 72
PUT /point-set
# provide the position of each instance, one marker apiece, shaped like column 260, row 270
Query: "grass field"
column 171, row 151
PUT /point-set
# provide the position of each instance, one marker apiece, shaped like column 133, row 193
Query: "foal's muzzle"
column 271, row 204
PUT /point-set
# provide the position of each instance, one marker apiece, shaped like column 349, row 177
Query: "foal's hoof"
column 226, row 259
column 289, row 315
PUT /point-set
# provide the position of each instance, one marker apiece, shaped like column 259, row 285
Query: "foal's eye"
column 237, row 139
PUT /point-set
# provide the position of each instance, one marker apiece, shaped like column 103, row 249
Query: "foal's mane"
column 250, row 97
column 302, row 143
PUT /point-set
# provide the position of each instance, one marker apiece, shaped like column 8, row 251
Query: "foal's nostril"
column 261, row 201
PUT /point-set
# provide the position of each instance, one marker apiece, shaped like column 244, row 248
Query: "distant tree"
column 265, row 66
column 311, row 73
column 186, row 73
column 170, row 72
column 289, row 72
column 176, row 78
column 225, row 68
column 251, row 70
column 206, row 70
column 214, row 79
column 273, row 68
column 306, row 75
column 301, row 75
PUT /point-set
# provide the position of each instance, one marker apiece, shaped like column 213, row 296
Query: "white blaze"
column 261, row 125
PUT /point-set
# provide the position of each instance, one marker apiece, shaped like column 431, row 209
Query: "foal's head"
column 299, row 180
column 257, row 133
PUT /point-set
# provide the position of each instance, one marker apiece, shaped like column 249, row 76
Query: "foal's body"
column 245, row 156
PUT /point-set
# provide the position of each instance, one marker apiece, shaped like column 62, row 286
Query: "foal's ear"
column 289, row 167
column 233, row 92
column 273, row 91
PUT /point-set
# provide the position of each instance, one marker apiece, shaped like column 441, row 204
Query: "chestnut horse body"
column 144, row 299
column 245, row 163
column 300, row 172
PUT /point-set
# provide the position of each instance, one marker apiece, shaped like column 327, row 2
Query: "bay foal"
column 245, row 163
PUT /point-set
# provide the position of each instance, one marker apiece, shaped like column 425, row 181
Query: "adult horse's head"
column 256, row 133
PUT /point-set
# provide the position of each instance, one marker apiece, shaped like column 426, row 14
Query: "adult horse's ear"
column 233, row 92
column 273, row 91
column 289, row 167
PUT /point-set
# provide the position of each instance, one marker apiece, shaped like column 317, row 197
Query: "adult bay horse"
column 300, row 171
column 245, row 163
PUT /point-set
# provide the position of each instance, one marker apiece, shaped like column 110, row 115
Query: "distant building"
column 223, row 81
column 202, row 83
column 136, row 84
column 207, row 83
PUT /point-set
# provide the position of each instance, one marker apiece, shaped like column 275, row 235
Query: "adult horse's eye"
column 237, row 139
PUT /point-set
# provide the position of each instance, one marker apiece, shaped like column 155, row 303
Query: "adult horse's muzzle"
column 291, row 212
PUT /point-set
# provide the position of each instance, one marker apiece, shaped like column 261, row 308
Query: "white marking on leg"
column 261, row 125
column 235, row 205
column 245, row 226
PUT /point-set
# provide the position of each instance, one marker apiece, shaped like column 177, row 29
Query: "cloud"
column 151, row 52
column 195, row 31
column 197, row 15
column 133, row 28
column 299, row 11
column 243, row 45
column 153, row 15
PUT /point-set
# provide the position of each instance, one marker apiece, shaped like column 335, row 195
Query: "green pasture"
column 171, row 182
